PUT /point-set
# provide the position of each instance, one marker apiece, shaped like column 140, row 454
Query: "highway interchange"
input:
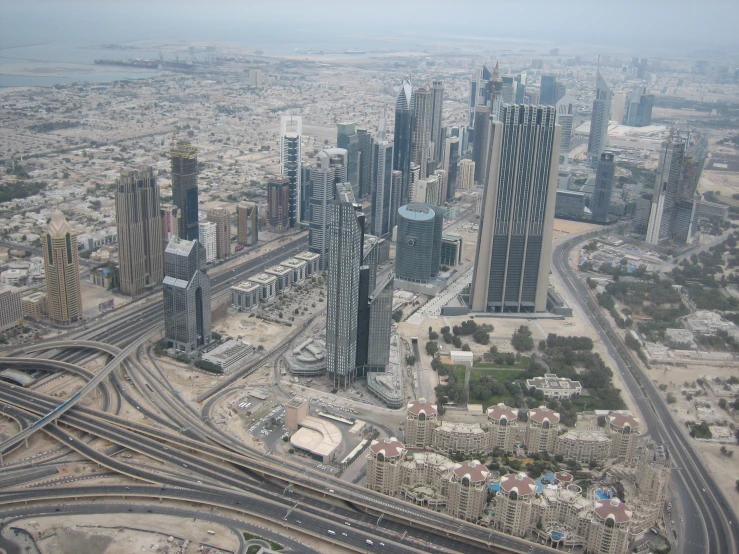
column 207, row 466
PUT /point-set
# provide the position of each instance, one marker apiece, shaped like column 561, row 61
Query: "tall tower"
column 62, row 266
column 514, row 246
column 480, row 143
column 278, row 203
column 139, row 222
column 222, row 218
column 184, row 158
column 479, row 91
column 418, row 256
column 247, row 221
column 639, row 108
column 342, row 288
column 208, row 238
column 548, row 90
column 186, row 290
column 565, row 119
column 449, row 162
column 382, row 183
column 291, row 136
column 348, row 139
column 396, row 191
column 437, row 105
column 422, row 110
column 366, row 163
column 403, row 140
column 603, row 188
column 466, row 174
column 667, row 189
column 330, row 170
column 599, row 121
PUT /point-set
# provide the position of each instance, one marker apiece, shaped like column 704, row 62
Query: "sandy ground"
column 563, row 227
column 92, row 296
column 725, row 182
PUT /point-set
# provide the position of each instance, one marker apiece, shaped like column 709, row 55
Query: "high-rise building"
column 208, row 238
column 601, row 200
column 62, row 269
column 139, row 223
column 443, row 186
column 422, row 109
column 11, row 307
column 247, row 222
column 396, row 192
column 437, row 137
column 420, row 421
column 449, row 162
column 548, row 90
column 480, row 143
column 278, row 203
column 515, row 241
column 170, row 215
column 466, row 174
column 672, row 205
column 222, row 219
column 382, row 183
column 342, row 288
column 186, row 290
column 380, row 324
column 618, row 107
column 639, row 108
column 348, row 139
column 366, row 163
column 291, row 138
column 509, row 91
column 565, row 119
column 599, row 121
column 330, row 170
column 418, row 250
column 479, row 91
column 184, row 158
column 559, row 91
column 403, row 139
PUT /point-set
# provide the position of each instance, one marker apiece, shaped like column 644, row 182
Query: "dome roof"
column 418, row 406
column 613, row 509
column 519, row 483
column 501, row 411
column 472, row 470
column 620, row 421
column 542, row 414
column 390, row 448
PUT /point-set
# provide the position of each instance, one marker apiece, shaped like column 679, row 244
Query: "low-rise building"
column 555, row 387
column 14, row 277
column 312, row 262
column 298, row 268
column 245, row 295
column 267, row 285
column 284, row 276
column 451, row 250
column 704, row 322
column 229, row 356
column 461, row 438
column 34, row 305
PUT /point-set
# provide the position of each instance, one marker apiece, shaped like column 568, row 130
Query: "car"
column 298, row 521
column 347, row 523
column 344, row 535
column 331, row 490
column 330, row 532
column 369, row 542
column 184, row 465
column 382, row 544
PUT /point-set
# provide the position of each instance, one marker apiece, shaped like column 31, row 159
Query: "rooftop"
column 417, row 407
column 519, row 483
column 390, row 448
column 317, row 436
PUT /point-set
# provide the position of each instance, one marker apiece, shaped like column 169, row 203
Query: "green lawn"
column 458, row 373
column 502, row 376
column 521, row 364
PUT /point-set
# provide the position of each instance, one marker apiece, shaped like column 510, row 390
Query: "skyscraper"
column 480, row 144
column 186, row 290
column 366, row 164
column 278, row 203
column 548, row 90
column 184, row 158
column 603, row 188
column 208, row 239
column 509, row 92
column 330, row 169
column 514, row 246
column 479, row 91
column 437, row 105
column 62, row 270
column 422, row 108
column 396, row 191
column 418, row 250
column 348, row 139
column 379, row 325
column 382, row 183
column 565, row 119
column 342, row 288
column 291, row 137
column 466, row 174
column 222, row 219
column 672, row 205
column 247, row 220
column 639, row 108
column 403, row 140
column 139, row 222
column 450, row 159
column 170, row 215
column 599, row 121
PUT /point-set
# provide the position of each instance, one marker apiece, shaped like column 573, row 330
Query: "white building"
column 555, row 387
column 230, row 355
column 208, row 233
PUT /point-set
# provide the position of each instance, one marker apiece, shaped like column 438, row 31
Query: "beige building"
column 247, row 223
column 461, row 438
column 222, row 219
column 384, row 459
column 420, row 421
column 609, row 529
column 652, row 480
column 34, row 305
column 62, row 265
column 583, row 446
column 139, row 223
column 513, row 504
column 466, row 178
column 504, row 429
column 624, row 434
column 468, row 490
column 11, row 312
column 295, row 411
column 543, row 429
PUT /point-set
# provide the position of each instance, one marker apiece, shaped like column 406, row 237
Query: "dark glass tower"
column 548, row 90
column 603, row 188
column 184, row 158
column 403, row 143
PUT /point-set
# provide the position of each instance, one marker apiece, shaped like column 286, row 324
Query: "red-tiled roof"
column 501, row 411
column 417, row 406
column 390, row 448
column 473, row 470
column 519, row 483
column 613, row 509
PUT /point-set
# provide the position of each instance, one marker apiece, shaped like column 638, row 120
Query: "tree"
column 466, row 347
column 431, row 348
column 433, row 335
column 397, row 316
column 457, row 341
column 671, row 398
column 444, row 330
column 722, row 403
column 410, row 360
column 522, row 340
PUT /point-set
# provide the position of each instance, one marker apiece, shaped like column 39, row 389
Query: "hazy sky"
column 624, row 25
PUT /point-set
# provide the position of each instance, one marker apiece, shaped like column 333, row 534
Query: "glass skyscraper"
column 184, row 159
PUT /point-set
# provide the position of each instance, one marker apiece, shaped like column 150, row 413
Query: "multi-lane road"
column 710, row 525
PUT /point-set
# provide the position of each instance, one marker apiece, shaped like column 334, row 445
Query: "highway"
column 710, row 525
